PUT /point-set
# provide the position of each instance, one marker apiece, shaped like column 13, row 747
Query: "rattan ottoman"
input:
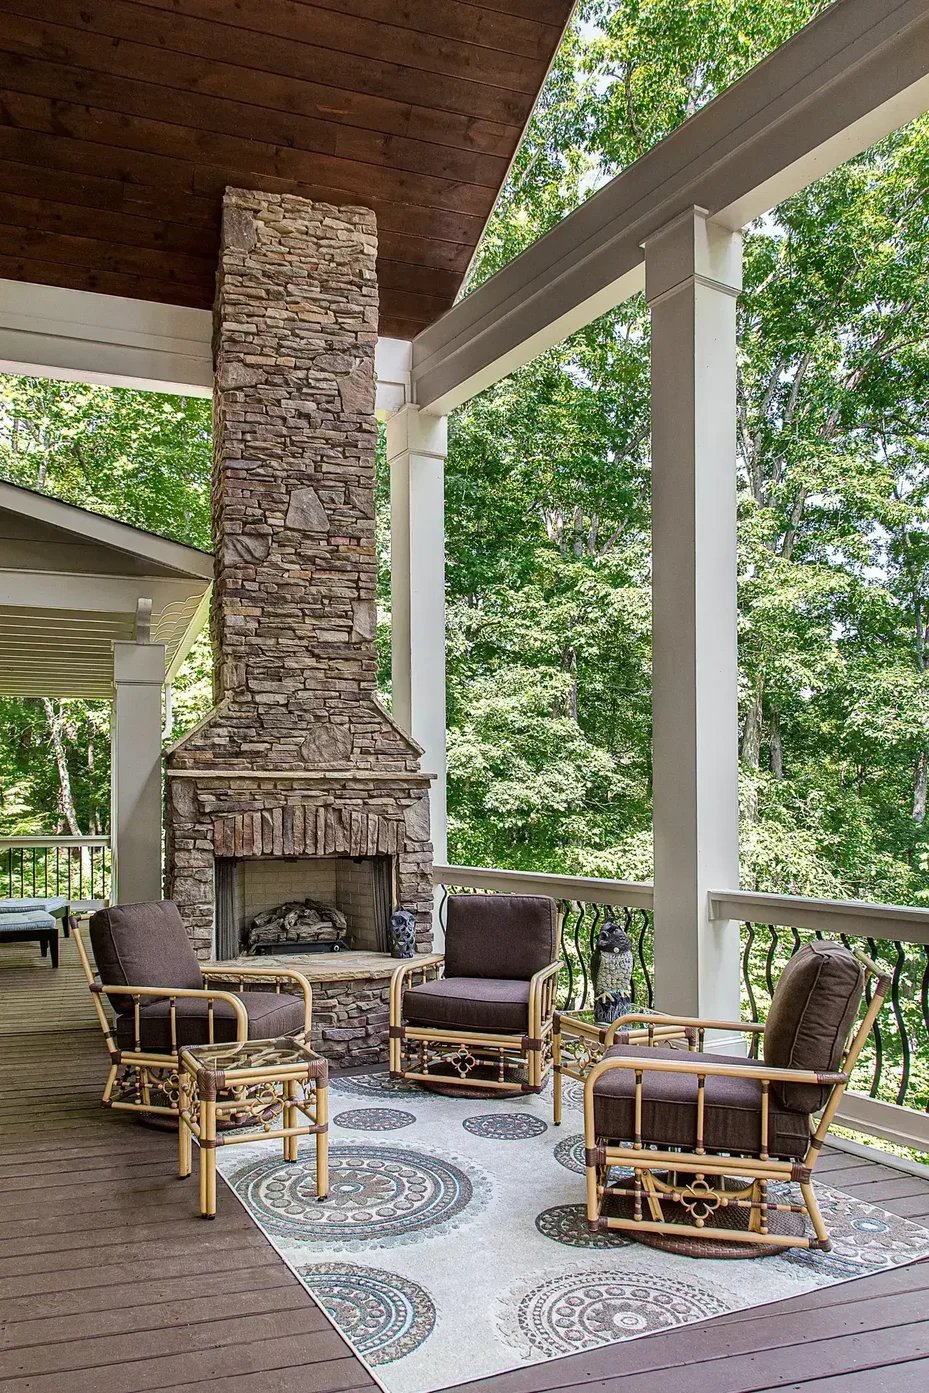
column 229, row 1095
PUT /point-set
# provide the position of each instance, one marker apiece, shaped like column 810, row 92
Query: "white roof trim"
column 107, row 532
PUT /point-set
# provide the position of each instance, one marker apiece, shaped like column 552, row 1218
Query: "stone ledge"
column 321, row 967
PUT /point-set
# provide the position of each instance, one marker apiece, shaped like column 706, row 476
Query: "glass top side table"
column 263, row 1089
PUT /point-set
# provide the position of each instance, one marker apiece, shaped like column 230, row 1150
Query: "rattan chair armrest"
column 270, row 974
column 179, row 993
column 693, row 1022
column 538, row 1012
column 707, row 1069
column 399, row 976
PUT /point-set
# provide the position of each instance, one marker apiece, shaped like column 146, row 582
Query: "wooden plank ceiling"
column 121, row 122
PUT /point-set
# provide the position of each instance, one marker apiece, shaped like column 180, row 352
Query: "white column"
column 693, row 276
column 135, row 771
column 416, row 449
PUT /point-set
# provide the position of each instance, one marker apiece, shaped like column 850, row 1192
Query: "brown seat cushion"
column 815, row 1003
column 732, row 1108
column 503, row 936
column 143, row 945
column 270, row 1014
column 469, row 1003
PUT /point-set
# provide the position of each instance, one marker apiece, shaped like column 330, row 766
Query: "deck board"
column 108, row 1279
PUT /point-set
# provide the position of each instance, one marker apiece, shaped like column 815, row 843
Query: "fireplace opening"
column 341, row 900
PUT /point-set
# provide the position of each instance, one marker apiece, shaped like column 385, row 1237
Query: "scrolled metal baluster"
column 924, row 1002
column 646, row 924
column 769, row 958
column 796, row 939
column 443, row 906
column 875, row 1030
column 566, row 957
column 899, row 965
column 585, row 975
column 746, row 970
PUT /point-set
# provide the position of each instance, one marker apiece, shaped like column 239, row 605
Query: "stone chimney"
column 298, row 760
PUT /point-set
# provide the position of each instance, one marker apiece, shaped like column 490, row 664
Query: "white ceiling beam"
column 858, row 72
column 82, row 336
column 114, row 341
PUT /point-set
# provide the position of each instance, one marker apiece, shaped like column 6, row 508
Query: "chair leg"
column 322, row 1141
column 184, row 1138
column 43, row 944
column 53, row 946
column 823, row 1241
column 556, row 1085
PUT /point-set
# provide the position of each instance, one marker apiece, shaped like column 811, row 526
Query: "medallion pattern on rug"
column 505, row 1126
column 454, row 1244
column 384, row 1316
column 567, row 1223
column 374, row 1119
column 580, row 1309
column 379, row 1196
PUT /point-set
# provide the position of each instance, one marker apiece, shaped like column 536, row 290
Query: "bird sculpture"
column 611, row 971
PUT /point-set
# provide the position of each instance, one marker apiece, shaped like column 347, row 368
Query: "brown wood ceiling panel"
column 122, row 121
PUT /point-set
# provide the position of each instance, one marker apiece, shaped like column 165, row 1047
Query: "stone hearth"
column 298, row 760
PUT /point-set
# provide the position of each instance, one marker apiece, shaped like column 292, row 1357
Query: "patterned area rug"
column 454, row 1244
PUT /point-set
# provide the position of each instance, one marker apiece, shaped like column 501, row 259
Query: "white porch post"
column 135, row 771
column 693, row 276
column 416, row 450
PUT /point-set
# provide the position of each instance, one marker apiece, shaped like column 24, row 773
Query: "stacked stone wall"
column 294, row 602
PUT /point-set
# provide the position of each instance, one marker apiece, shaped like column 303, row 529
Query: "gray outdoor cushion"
column 33, row 919
column 55, row 905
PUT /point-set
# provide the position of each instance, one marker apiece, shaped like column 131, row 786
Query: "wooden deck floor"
column 109, row 1283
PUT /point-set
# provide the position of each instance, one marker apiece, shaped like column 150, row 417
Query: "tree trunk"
column 569, row 663
column 776, row 746
column 65, row 796
column 751, row 732
column 919, row 788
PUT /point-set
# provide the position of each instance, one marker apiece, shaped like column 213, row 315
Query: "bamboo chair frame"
column 577, row 1045
column 138, row 1077
column 415, row 1050
column 686, row 1177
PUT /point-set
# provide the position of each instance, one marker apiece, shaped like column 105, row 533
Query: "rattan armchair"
column 700, row 1137
column 480, row 1016
column 162, row 999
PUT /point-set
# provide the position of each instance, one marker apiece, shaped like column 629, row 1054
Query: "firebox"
column 257, row 898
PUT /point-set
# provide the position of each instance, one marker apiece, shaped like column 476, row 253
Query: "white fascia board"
column 198, row 621
column 75, row 593
column 393, row 367
column 851, row 77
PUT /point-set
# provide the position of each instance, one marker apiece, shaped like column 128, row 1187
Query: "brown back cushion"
column 143, row 945
column 815, row 1002
column 504, row 936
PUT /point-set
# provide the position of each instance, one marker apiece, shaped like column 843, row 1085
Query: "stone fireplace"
column 298, row 772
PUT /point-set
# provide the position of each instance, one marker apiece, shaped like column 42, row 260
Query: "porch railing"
column 585, row 904
column 890, row 1097
column 77, row 868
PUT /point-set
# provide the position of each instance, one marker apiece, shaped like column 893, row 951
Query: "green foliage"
column 548, row 509
column 138, row 456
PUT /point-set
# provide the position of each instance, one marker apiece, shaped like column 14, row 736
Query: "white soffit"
column 72, row 582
